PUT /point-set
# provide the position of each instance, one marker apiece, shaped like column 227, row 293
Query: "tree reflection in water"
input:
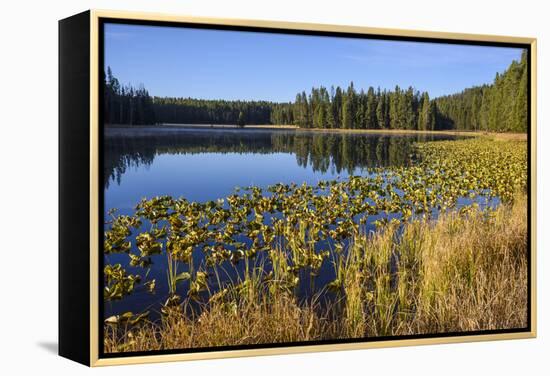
column 321, row 151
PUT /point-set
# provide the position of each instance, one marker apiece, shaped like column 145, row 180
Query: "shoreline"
column 497, row 136
column 203, row 126
column 453, row 264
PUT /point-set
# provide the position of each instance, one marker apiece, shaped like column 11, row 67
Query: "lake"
column 208, row 164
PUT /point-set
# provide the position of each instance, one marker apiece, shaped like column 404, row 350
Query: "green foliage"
column 349, row 105
column 241, row 120
column 127, row 318
column 446, row 276
column 126, row 104
column 426, row 114
column 499, row 107
column 117, row 282
column 205, row 111
column 288, row 222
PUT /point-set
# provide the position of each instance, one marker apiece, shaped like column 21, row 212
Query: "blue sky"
column 212, row 64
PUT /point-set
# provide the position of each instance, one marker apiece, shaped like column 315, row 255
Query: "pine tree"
column 380, row 110
column 499, row 106
column 348, row 108
column 394, row 111
column 520, row 109
column 424, row 114
column 241, row 120
column 370, row 116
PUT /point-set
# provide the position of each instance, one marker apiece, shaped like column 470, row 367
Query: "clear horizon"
column 238, row 65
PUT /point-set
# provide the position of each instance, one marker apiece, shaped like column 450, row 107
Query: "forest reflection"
column 319, row 151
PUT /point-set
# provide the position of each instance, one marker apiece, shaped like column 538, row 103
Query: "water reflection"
column 321, row 151
column 207, row 164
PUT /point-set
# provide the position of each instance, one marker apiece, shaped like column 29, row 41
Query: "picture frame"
column 82, row 192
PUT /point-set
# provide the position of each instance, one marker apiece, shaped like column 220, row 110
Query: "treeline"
column 124, row 104
column 127, row 105
column 349, row 109
column 203, row 111
column 500, row 106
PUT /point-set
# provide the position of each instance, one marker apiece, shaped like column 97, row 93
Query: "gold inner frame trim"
column 95, row 15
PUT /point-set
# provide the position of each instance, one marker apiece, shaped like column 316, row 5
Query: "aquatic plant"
column 456, row 274
column 276, row 236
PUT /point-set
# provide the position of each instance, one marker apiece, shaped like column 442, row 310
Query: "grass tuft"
column 461, row 272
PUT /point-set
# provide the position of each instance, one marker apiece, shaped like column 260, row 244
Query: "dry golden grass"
column 456, row 274
column 460, row 273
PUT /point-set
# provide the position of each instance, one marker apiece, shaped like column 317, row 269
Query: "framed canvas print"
column 237, row 187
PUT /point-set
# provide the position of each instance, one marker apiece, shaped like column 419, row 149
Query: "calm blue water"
column 208, row 164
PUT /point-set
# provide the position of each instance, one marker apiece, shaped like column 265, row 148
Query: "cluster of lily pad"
column 306, row 224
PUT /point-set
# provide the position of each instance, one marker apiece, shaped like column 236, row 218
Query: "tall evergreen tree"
column 371, row 107
column 499, row 106
column 348, row 108
column 395, row 109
